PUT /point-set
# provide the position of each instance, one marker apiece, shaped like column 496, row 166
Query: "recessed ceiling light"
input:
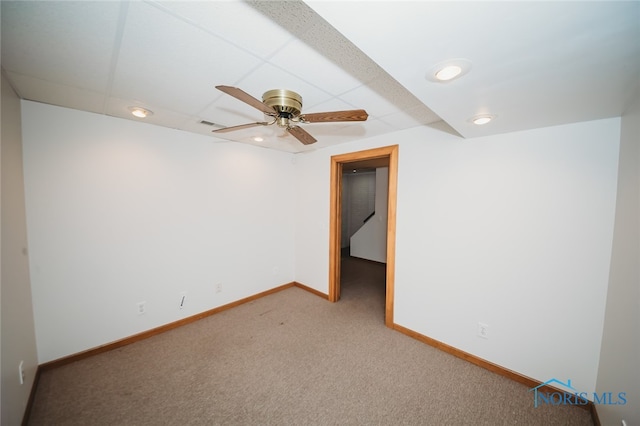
column 140, row 112
column 482, row 119
column 258, row 139
column 448, row 70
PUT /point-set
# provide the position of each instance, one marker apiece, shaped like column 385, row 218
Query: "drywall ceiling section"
column 533, row 64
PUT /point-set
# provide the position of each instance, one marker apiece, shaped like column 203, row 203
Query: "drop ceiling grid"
column 168, row 56
column 168, row 63
column 334, row 104
column 300, row 66
column 305, row 62
column 233, row 21
column 228, row 111
column 291, row 65
column 47, row 34
column 312, row 30
column 268, row 76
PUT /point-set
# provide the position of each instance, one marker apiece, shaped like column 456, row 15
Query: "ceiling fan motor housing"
column 288, row 104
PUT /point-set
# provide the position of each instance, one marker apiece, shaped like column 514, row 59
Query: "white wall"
column 358, row 202
column 514, row 231
column 120, row 212
column 370, row 241
column 620, row 356
column 18, row 332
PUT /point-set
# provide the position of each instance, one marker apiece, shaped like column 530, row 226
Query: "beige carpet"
column 290, row 358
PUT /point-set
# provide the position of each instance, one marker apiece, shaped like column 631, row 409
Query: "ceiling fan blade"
column 242, row 126
column 301, row 134
column 324, row 117
column 246, row 98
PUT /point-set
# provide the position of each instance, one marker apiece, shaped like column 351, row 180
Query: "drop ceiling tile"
column 264, row 78
column 229, row 111
column 331, row 130
column 304, row 61
column 50, row 48
column 235, row 21
column 333, row 104
column 268, row 77
column 171, row 64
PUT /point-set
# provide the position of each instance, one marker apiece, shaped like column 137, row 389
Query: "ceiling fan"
column 283, row 108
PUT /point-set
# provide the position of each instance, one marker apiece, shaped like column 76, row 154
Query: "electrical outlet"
column 219, row 288
column 21, row 372
column 183, row 299
column 142, row 308
column 483, row 330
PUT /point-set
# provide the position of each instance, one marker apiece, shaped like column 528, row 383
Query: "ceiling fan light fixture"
column 283, row 121
column 140, row 112
column 448, row 70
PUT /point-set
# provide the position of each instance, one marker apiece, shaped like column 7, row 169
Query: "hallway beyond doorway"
column 364, row 282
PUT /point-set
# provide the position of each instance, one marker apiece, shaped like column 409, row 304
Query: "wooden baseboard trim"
column 413, row 334
column 494, row 368
column 155, row 331
column 32, row 395
column 311, row 290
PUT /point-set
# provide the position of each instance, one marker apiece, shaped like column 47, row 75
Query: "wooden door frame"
column 383, row 155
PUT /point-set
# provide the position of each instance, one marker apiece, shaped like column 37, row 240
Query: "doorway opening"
column 372, row 158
